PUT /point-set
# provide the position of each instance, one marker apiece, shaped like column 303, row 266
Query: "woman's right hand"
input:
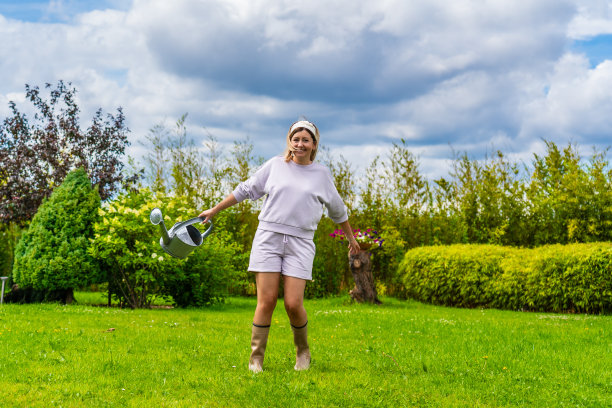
column 207, row 214
column 225, row 203
column 353, row 246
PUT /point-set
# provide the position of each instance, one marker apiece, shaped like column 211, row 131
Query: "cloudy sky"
column 469, row 76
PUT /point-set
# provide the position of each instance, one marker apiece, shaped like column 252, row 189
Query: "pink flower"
column 365, row 236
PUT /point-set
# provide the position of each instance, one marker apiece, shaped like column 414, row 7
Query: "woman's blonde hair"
column 298, row 127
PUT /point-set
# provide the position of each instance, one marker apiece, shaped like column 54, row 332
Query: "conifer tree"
column 51, row 257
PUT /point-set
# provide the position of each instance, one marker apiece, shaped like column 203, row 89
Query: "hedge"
column 555, row 278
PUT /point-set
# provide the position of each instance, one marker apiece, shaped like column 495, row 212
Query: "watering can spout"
column 157, row 219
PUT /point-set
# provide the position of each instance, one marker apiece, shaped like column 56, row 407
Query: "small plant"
column 365, row 238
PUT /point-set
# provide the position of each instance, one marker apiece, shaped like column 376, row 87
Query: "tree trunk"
column 69, row 296
column 365, row 289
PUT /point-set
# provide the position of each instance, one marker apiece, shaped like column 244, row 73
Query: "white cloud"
column 435, row 73
column 361, row 50
column 577, row 106
column 594, row 17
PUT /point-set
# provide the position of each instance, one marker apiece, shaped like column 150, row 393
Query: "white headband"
column 304, row 124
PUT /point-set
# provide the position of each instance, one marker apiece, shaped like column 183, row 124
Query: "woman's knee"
column 294, row 306
column 267, row 303
column 294, row 295
column 267, row 290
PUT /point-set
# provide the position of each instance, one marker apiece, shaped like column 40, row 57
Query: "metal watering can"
column 182, row 238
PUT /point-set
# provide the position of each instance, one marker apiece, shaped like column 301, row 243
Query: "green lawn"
column 401, row 353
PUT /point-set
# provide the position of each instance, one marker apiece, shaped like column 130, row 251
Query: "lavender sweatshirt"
column 295, row 198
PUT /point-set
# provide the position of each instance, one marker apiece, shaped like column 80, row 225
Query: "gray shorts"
column 276, row 252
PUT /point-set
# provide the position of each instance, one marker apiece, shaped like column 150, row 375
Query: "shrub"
column 576, row 278
column 386, row 259
column 51, row 256
column 572, row 278
column 139, row 270
column 238, row 228
column 207, row 275
column 6, row 252
column 330, row 272
column 9, row 237
column 456, row 275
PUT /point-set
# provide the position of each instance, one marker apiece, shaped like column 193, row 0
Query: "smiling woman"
column 296, row 190
column 302, row 143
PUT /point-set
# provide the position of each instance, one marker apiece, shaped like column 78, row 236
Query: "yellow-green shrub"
column 138, row 269
column 576, row 278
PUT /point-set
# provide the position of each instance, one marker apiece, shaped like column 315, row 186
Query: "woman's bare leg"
column 294, row 300
column 267, row 294
column 294, row 304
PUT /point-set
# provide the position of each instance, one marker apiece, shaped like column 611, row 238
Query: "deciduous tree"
column 36, row 153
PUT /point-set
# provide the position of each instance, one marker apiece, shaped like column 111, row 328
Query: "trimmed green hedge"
column 555, row 278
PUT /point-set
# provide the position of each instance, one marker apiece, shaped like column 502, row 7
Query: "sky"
column 469, row 76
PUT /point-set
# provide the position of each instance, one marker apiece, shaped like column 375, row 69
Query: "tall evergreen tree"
column 51, row 256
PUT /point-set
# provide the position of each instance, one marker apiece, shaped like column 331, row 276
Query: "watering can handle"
column 195, row 221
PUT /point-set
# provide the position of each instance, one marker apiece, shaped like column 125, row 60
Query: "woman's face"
column 303, row 144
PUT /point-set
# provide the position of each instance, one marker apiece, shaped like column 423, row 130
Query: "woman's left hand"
column 353, row 247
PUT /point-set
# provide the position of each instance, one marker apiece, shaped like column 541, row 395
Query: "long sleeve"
column 295, row 197
column 334, row 203
column 255, row 187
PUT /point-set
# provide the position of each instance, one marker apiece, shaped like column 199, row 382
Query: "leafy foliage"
column 570, row 201
column 36, row 155
column 557, row 278
column 204, row 177
column 207, row 275
column 9, row 236
column 560, row 198
column 139, row 270
column 52, row 254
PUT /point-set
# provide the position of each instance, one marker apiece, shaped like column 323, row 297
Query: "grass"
column 401, row 353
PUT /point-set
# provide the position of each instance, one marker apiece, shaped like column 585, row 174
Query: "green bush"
column 455, row 275
column 207, row 275
column 556, row 278
column 237, row 228
column 330, row 272
column 576, row 277
column 9, row 237
column 139, row 270
column 385, row 262
column 6, row 252
column 51, row 256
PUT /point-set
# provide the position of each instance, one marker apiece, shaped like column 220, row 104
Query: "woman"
column 296, row 189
